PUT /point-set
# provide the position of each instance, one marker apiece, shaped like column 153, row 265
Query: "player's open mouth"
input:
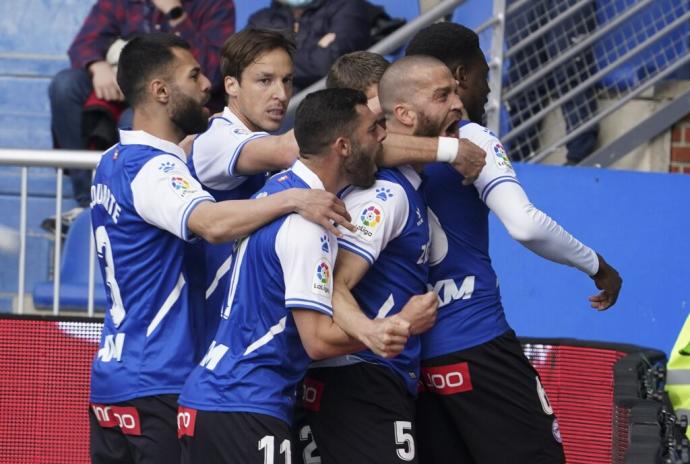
column 276, row 113
column 452, row 129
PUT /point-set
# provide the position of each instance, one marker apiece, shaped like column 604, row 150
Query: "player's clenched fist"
column 469, row 161
column 420, row 312
column 389, row 336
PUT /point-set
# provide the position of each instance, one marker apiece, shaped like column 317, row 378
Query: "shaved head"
column 418, row 97
column 404, row 78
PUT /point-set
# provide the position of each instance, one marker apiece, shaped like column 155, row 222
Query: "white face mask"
column 297, row 3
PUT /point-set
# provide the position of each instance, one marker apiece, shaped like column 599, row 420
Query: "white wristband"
column 447, row 149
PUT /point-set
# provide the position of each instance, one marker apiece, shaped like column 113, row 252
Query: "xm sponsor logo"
column 112, row 348
column 448, row 290
column 213, row 356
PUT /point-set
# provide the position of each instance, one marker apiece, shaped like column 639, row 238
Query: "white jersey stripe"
column 272, row 332
column 167, row 305
column 234, row 279
column 386, row 307
column 222, row 270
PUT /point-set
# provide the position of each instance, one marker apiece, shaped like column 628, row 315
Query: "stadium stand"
column 75, row 272
column 44, row 363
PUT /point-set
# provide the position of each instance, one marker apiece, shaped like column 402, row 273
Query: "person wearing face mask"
column 323, row 30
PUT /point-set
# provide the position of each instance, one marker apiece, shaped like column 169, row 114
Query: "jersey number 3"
column 105, row 254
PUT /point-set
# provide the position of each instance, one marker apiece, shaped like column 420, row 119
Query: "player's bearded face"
column 186, row 113
column 431, row 125
column 360, row 166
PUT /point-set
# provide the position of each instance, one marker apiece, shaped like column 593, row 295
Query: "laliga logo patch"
column 369, row 221
column 181, row 186
column 502, row 160
column 322, row 279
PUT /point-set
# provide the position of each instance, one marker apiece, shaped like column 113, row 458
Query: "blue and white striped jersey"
column 257, row 358
column 470, row 310
column 142, row 196
column 212, row 162
column 393, row 237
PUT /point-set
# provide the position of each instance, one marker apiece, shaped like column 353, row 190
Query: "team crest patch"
column 322, row 279
column 181, row 186
column 166, row 166
column 501, row 157
column 369, row 221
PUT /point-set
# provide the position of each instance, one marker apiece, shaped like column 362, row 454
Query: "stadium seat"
column 245, row 8
column 408, row 10
column 634, row 31
column 74, row 272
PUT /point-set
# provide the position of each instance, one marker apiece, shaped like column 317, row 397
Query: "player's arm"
column 232, row 219
column 466, row 157
column 385, row 337
column 271, row 153
column 321, row 336
column 534, row 229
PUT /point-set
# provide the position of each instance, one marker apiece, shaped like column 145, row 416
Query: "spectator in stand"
column 322, row 30
column 205, row 24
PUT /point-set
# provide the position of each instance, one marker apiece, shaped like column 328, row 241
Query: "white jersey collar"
column 411, row 175
column 140, row 137
column 232, row 117
column 307, row 175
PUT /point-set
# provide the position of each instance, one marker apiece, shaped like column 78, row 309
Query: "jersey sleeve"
column 215, row 153
column 498, row 169
column 307, row 253
column 165, row 194
column 379, row 213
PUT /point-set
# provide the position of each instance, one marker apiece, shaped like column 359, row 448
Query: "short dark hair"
column 141, row 58
column 325, row 115
column 357, row 70
column 451, row 43
column 243, row 48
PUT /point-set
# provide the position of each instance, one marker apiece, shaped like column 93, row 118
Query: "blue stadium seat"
column 407, row 9
column 74, row 272
column 245, row 8
column 631, row 33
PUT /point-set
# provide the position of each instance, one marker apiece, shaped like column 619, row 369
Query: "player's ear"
column 159, row 90
column 405, row 114
column 342, row 146
column 232, row 86
column 460, row 75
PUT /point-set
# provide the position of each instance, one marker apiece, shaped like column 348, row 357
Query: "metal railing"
column 59, row 159
column 568, row 55
column 388, row 45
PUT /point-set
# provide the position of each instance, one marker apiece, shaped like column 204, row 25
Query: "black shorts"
column 142, row 430
column 232, row 438
column 486, row 405
column 361, row 413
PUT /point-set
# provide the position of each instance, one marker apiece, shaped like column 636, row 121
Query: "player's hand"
column 469, row 161
column 323, row 208
column 420, row 311
column 105, row 82
column 609, row 282
column 387, row 336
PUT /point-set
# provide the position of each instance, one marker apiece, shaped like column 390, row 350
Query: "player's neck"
column 328, row 171
column 158, row 125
